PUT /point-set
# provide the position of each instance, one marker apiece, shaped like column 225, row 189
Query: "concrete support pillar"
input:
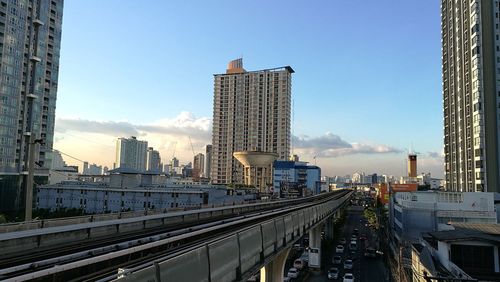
column 315, row 246
column 274, row 270
column 329, row 224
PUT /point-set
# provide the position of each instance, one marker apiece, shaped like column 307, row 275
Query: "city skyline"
column 352, row 109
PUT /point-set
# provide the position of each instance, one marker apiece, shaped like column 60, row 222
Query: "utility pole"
column 29, row 181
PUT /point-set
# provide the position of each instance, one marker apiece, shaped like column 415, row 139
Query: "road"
column 365, row 269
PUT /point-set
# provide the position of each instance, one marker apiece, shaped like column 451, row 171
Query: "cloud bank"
column 331, row 145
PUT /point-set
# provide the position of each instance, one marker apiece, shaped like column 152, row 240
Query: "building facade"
column 198, row 166
column 153, row 163
column 471, row 94
column 208, row 161
column 131, row 153
column 412, row 213
column 252, row 112
column 292, row 175
column 29, row 52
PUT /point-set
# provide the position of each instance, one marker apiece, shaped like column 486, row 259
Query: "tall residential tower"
column 30, row 39
column 251, row 113
column 471, row 94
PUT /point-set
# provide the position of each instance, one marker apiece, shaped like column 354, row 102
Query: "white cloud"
column 331, row 145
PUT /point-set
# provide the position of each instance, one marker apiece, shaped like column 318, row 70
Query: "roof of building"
column 425, row 257
column 287, row 68
column 470, row 231
column 124, row 170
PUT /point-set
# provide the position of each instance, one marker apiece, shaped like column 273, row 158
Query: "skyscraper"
column 471, row 94
column 30, row 38
column 131, row 153
column 251, row 113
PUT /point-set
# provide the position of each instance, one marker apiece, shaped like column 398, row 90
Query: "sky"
column 366, row 87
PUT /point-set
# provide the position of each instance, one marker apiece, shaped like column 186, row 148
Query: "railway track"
column 99, row 261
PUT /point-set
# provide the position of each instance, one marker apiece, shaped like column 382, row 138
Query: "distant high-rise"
column 30, row 39
column 153, row 163
column 198, row 166
column 251, row 113
column 471, row 94
column 412, row 165
column 131, row 153
column 208, row 161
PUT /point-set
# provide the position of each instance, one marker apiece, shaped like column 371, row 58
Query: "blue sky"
column 368, row 72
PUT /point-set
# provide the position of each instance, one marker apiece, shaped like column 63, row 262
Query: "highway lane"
column 365, row 269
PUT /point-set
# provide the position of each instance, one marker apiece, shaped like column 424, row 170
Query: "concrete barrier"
column 280, row 232
column 53, row 239
column 153, row 222
column 268, row 237
column 130, row 226
column 191, row 266
column 14, row 227
column 18, row 245
column 288, row 228
column 224, row 259
column 65, row 221
column 250, row 247
column 103, row 231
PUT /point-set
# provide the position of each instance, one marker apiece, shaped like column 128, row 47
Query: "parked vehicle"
column 337, row 260
column 293, row 272
column 339, row 249
column 298, row 264
column 356, row 231
column 342, row 241
column 362, row 237
column 333, row 273
column 348, row 264
column 354, row 237
column 348, row 277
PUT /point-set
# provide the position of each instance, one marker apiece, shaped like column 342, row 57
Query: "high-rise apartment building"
column 131, row 153
column 208, row 161
column 153, row 163
column 471, row 94
column 251, row 113
column 30, row 39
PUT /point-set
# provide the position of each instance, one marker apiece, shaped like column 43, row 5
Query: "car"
column 293, row 272
column 342, row 241
column 333, row 273
column 337, row 260
column 353, row 245
column 348, row 277
column 348, row 264
column 299, row 264
column 356, row 231
column 339, row 249
column 362, row 237
column 354, row 237
column 370, row 252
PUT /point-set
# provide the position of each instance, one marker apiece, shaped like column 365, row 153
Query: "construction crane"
column 192, row 148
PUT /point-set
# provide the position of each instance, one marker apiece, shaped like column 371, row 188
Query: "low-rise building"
column 125, row 189
column 412, row 213
column 290, row 175
column 468, row 251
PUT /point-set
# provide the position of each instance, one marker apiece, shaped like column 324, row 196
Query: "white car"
column 293, row 272
column 298, row 264
column 339, row 249
column 333, row 273
column 348, row 277
column 348, row 264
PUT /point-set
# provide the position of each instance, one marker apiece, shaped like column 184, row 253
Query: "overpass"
column 222, row 244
